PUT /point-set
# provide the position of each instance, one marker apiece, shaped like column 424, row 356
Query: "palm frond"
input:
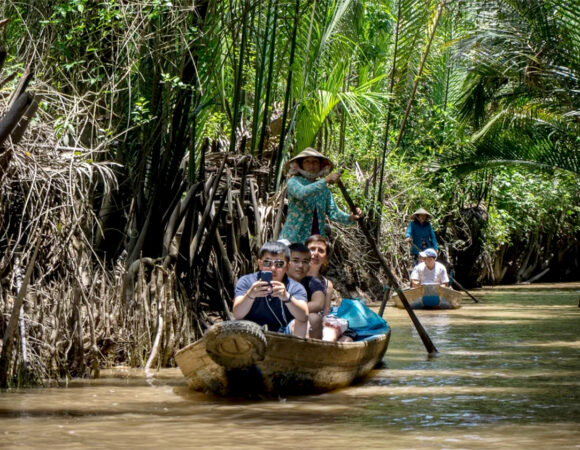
column 521, row 94
column 529, row 136
column 317, row 107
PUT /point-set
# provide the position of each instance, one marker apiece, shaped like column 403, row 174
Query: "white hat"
column 428, row 253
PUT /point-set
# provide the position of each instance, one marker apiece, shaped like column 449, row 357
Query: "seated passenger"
column 320, row 250
column 273, row 303
column 297, row 270
column 429, row 271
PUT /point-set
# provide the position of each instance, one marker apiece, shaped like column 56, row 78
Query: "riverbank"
column 533, row 286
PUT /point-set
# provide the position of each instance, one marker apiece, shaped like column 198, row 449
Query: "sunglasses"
column 278, row 263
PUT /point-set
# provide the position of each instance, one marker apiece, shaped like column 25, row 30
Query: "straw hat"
column 326, row 165
column 421, row 211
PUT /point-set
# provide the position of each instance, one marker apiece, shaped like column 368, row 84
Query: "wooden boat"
column 238, row 358
column 430, row 296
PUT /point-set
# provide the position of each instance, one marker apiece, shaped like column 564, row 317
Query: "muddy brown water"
column 508, row 376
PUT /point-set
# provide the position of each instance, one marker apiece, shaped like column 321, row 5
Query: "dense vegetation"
column 151, row 166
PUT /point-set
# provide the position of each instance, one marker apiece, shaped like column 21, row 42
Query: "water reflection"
column 508, row 376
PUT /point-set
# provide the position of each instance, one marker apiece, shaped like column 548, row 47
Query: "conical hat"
column 421, row 211
column 325, row 163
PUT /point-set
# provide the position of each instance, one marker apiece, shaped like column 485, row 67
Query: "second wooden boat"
column 238, row 358
column 430, row 296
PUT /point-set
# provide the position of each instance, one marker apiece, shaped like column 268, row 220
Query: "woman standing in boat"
column 309, row 199
column 420, row 233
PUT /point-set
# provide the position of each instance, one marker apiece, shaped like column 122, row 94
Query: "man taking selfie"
column 269, row 297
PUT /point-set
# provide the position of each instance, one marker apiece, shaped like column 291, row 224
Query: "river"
column 508, row 376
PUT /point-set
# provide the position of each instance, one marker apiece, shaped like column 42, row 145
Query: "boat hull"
column 291, row 366
column 430, row 297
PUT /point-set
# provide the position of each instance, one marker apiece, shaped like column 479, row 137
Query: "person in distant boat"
column 269, row 297
column 420, row 233
column 429, row 271
column 309, row 199
column 298, row 270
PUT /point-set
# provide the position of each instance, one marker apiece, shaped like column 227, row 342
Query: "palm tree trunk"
column 277, row 161
column 239, row 78
column 266, row 115
column 387, row 127
column 259, row 84
column 419, row 74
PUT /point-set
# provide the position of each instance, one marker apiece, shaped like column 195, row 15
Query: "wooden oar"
column 452, row 278
column 422, row 333
column 465, row 290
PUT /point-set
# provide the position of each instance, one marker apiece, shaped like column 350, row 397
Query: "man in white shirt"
column 429, row 271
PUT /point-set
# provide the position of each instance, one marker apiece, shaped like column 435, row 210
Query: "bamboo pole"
column 431, row 349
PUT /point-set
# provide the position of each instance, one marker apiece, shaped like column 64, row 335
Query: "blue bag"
column 361, row 319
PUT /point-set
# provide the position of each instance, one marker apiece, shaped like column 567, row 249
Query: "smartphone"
column 266, row 276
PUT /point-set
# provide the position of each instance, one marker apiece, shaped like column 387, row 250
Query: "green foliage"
column 318, row 107
column 499, row 87
column 521, row 93
column 523, row 204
